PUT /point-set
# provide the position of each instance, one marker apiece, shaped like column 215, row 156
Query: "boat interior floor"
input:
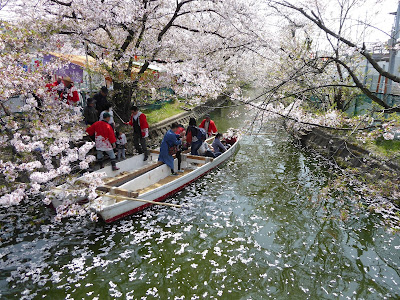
column 164, row 181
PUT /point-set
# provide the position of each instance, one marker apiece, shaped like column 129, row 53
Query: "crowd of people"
column 98, row 114
column 107, row 139
column 177, row 139
column 99, row 117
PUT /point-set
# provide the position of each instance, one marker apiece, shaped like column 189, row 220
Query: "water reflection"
column 255, row 228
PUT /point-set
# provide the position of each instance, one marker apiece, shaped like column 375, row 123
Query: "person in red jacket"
column 105, row 140
column 140, row 130
column 209, row 126
column 56, row 86
column 69, row 94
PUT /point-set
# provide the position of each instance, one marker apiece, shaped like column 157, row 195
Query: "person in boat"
column 140, row 130
column 121, row 142
column 208, row 151
column 209, row 126
column 105, row 140
column 169, row 146
column 192, row 137
column 217, row 144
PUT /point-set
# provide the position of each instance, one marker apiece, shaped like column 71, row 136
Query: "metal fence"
column 362, row 104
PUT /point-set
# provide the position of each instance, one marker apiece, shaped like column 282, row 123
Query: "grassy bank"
column 167, row 110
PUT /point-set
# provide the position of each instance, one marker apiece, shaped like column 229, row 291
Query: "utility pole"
column 88, row 69
column 393, row 52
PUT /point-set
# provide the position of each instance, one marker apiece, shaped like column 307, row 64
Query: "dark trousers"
column 209, row 154
column 138, row 139
column 179, row 157
column 194, row 147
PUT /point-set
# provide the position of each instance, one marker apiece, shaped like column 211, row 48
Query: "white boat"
column 128, row 169
column 157, row 184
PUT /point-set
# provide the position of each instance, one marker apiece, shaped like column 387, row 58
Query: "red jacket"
column 211, row 127
column 180, row 130
column 72, row 96
column 144, row 126
column 104, row 135
column 51, row 87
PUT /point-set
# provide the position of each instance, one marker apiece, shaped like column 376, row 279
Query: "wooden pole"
column 127, row 198
column 142, row 200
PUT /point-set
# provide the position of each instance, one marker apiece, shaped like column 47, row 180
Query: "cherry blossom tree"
column 309, row 67
column 319, row 53
column 194, row 41
column 198, row 43
column 312, row 72
column 42, row 144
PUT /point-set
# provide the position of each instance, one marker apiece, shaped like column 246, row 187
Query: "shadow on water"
column 254, row 229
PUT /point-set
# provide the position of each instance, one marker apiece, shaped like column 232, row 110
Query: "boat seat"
column 125, row 177
column 117, row 191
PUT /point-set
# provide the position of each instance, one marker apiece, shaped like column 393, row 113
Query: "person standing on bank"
column 209, row 126
column 69, row 94
column 169, row 147
column 105, row 140
column 140, row 130
column 90, row 113
column 101, row 99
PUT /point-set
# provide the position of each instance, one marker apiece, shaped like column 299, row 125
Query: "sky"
column 383, row 19
column 378, row 12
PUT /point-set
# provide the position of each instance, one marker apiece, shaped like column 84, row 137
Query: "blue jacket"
column 170, row 139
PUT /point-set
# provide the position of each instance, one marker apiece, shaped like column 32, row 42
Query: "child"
column 121, row 142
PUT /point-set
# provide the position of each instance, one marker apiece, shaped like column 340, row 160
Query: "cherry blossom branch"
column 358, row 83
column 363, row 51
column 285, row 116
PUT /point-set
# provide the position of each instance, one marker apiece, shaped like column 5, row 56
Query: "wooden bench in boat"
column 125, row 177
column 117, row 191
column 163, row 181
column 158, row 152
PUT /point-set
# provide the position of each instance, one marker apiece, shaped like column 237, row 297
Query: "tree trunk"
column 338, row 99
column 122, row 98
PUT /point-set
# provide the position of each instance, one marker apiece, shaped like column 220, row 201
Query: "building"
column 376, row 82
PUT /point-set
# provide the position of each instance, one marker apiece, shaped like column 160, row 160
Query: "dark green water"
column 255, row 228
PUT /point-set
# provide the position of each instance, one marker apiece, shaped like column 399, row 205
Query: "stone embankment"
column 375, row 170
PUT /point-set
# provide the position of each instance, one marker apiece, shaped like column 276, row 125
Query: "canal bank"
column 381, row 173
column 257, row 227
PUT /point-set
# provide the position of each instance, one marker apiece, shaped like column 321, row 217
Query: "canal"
column 261, row 226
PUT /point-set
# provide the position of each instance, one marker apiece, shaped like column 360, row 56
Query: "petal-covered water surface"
column 260, row 226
